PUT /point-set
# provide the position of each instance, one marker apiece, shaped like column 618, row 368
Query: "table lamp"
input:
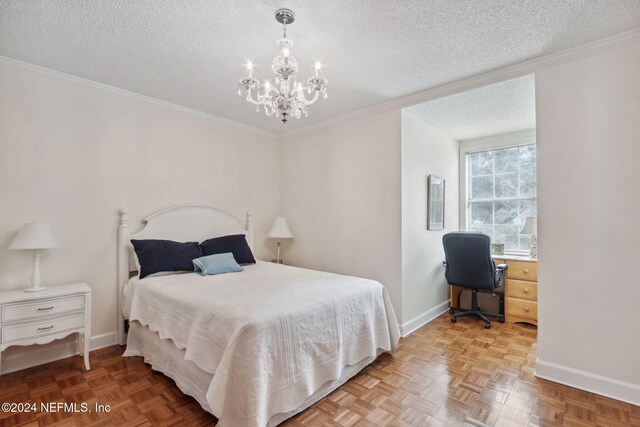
column 280, row 230
column 531, row 227
column 35, row 236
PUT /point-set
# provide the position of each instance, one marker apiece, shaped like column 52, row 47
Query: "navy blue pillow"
column 235, row 243
column 157, row 256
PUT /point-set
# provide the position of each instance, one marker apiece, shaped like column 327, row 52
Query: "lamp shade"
column 280, row 229
column 530, row 226
column 34, row 236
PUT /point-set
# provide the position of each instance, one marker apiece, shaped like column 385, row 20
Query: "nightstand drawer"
column 522, row 289
column 47, row 327
column 23, row 311
column 522, row 308
column 522, row 270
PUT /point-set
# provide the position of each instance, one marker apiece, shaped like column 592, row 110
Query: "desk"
column 520, row 289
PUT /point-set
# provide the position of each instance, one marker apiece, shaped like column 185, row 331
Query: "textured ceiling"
column 503, row 107
column 191, row 52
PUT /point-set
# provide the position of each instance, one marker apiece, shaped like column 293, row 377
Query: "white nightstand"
column 41, row 317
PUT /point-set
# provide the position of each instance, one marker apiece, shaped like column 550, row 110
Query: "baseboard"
column 587, row 381
column 417, row 322
column 18, row 358
column 103, row 340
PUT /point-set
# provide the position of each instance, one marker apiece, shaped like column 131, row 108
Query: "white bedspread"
column 271, row 335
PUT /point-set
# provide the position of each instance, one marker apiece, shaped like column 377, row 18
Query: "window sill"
column 514, row 257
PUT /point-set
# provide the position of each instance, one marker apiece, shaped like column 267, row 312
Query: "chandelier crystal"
column 286, row 96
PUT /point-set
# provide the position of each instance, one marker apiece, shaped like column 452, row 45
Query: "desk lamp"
column 35, row 236
column 531, row 227
column 280, row 230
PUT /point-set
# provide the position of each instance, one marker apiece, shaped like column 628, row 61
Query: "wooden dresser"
column 520, row 289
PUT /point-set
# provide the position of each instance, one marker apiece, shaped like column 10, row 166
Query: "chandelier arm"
column 295, row 89
column 271, row 89
column 251, row 100
column 310, row 101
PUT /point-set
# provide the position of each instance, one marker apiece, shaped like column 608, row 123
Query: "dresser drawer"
column 522, row 308
column 522, row 289
column 43, row 328
column 22, row 311
column 522, row 270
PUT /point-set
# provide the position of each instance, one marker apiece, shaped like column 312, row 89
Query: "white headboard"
column 181, row 224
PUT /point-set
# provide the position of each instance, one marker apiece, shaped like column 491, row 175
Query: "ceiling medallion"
column 285, row 97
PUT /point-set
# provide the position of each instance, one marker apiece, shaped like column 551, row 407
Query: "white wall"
column 588, row 132
column 71, row 155
column 425, row 150
column 340, row 191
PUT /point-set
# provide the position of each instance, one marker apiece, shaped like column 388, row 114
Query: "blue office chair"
column 469, row 265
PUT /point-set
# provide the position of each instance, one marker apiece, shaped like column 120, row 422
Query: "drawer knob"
column 526, row 270
column 45, row 328
column 526, row 309
column 525, row 290
column 44, row 308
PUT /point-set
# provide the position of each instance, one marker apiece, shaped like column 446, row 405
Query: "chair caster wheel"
column 487, row 325
column 453, row 319
column 501, row 319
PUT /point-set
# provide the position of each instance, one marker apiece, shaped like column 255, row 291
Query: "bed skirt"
column 165, row 357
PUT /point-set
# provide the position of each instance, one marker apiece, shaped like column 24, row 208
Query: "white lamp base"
column 35, row 278
column 278, row 260
column 35, row 289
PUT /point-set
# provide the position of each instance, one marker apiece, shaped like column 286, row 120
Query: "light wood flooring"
column 444, row 374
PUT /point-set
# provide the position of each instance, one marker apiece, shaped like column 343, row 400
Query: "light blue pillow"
column 216, row 264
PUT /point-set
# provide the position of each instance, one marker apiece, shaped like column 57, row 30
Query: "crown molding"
column 484, row 79
column 26, row 66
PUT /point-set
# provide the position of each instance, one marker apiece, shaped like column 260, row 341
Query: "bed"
column 254, row 347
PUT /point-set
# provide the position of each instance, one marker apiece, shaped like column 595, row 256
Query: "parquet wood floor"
column 444, row 374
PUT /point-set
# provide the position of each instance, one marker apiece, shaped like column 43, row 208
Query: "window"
column 501, row 193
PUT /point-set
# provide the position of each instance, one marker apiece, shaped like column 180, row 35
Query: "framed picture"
column 435, row 203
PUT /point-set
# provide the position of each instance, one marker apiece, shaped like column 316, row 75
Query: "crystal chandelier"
column 286, row 97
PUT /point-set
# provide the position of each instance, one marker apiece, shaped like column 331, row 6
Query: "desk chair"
column 469, row 265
